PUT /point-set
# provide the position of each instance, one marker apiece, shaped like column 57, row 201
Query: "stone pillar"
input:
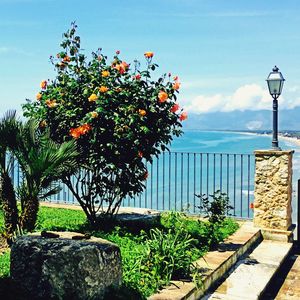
column 273, row 190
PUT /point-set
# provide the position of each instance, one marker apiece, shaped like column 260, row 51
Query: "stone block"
column 64, row 267
column 273, row 189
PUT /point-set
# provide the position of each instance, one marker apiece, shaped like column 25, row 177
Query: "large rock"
column 64, row 268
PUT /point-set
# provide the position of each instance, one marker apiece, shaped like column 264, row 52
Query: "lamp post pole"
column 275, row 124
column 275, row 82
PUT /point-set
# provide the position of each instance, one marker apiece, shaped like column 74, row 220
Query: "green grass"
column 4, row 264
column 146, row 255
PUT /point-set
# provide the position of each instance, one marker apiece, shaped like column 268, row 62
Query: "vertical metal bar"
column 194, row 202
column 227, row 175
column 201, row 173
column 146, row 189
column 140, row 199
column 248, row 198
column 207, row 173
column 18, row 174
column 188, row 180
column 214, row 173
column 157, row 182
column 163, row 195
column 241, row 185
column 181, row 191
column 170, row 180
column 175, row 181
column 221, row 171
column 151, row 198
column 234, row 183
column 298, row 213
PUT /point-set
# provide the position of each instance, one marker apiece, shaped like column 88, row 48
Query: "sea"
column 194, row 141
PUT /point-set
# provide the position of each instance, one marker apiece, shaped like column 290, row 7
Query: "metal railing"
column 175, row 178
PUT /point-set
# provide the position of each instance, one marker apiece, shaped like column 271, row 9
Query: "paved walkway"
column 290, row 289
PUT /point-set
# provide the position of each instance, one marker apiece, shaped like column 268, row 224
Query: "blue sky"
column 221, row 50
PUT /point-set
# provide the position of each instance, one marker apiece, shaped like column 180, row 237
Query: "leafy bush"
column 119, row 116
column 215, row 209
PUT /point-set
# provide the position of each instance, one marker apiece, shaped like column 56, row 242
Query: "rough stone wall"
column 273, row 189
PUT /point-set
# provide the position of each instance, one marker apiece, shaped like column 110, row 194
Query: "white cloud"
column 8, row 50
column 246, row 97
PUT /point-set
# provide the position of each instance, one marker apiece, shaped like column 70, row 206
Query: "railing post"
column 298, row 213
column 273, row 194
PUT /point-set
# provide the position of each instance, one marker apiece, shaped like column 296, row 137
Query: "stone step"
column 250, row 276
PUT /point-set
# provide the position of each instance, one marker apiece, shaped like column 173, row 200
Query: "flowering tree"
column 119, row 116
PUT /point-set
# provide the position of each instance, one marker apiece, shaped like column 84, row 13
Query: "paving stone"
column 252, row 274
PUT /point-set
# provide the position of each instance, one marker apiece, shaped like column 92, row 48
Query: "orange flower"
column 118, row 90
column 142, row 112
column 162, row 96
column 74, row 132
column 148, row 54
column 51, row 103
column 122, row 67
column 38, row 96
column 105, row 73
column 176, row 85
column 93, row 98
column 85, row 128
column 94, row 114
column 140, row 154
column 103, row 89
column 67, row 58
column 251, row 205
column 183, row 116
column 43, row 84
column 79, row 131
column 174, row 108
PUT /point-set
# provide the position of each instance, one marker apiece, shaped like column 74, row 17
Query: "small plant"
column 216, row 209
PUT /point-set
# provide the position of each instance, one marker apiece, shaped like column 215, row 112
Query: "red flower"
column 140, row 154
column 183, row 116
column 118, row 52
column 137, row 76
column 174, row 108
column 251, row 205
column 145, row 176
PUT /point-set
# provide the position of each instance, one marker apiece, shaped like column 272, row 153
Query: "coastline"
column 290, row 139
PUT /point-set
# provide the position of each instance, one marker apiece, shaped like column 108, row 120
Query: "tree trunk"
column 29, row 214
column 9, row 204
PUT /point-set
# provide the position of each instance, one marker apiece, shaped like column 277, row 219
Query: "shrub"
column 119, row 116
column 215, row 209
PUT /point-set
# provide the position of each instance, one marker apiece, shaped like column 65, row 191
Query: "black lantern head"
column 275, row 82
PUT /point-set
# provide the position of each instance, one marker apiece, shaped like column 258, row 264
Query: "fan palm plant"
column 8, row 126
column 43, row 163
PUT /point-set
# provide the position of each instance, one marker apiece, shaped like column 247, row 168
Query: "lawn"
column 152, row 254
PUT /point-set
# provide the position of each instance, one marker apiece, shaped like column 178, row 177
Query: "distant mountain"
column 244, row 120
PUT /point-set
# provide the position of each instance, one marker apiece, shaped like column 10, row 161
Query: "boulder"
column 65, row 267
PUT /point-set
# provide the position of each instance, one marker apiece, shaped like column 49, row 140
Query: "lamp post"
column 275, row 83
